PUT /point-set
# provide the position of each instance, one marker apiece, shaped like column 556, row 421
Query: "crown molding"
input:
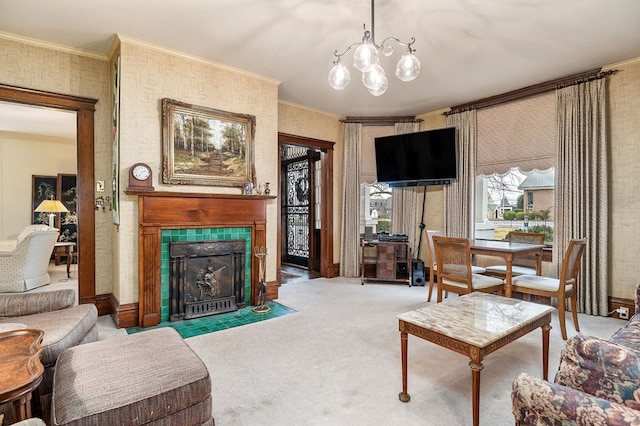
column 306, row 108
column 52, row 46
column 622, row 64
column 130, row 40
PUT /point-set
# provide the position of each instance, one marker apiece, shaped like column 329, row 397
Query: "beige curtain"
column 459, row 194
column 350, row 236
column 582, row 190
column 405, row 200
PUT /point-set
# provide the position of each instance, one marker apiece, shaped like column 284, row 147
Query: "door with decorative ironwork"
column 298, row 215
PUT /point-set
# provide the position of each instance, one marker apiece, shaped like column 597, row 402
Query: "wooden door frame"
column 326, row 232
column 84, row 109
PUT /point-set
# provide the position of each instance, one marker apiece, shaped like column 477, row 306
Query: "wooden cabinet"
column 385, row 261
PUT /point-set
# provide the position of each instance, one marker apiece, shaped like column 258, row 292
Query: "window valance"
column 520, row 134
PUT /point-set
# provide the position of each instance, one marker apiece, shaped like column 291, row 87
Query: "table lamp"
column 52, row 207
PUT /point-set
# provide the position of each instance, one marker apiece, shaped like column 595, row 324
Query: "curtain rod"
column 536, row 89
column 381, row 121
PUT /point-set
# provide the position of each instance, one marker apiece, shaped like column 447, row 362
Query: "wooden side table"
column 65, row 249
column 20, row 369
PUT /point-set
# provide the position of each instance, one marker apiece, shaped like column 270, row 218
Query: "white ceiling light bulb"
column 366, row 54
column 384, row 84
column 408, row 66
column 372, row 76
column 339, row 76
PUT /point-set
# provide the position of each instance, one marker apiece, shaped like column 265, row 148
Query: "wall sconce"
column 104, row 203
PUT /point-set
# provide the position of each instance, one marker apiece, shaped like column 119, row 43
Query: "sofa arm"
column 538, row 402
column 20, row 304
column 601, row 368
column 8, row 246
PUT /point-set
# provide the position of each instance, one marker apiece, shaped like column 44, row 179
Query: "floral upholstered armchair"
column 597, row 383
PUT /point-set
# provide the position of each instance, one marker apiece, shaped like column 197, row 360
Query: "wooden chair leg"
column 430, row 286
column 574, row 311
column 439, row 298
column 561, row 315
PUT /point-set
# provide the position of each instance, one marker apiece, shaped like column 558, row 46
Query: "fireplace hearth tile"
column 210, row 324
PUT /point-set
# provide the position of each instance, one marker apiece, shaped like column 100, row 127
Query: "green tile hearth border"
column 197, row 326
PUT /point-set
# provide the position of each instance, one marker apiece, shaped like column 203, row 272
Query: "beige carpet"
column 337, row 362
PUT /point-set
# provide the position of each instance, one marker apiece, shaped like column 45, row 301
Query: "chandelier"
column 366, row 58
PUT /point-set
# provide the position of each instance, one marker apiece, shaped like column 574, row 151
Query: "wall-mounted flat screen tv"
column 421, row 158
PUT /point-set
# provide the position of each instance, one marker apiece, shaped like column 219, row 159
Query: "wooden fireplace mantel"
column 159, row 210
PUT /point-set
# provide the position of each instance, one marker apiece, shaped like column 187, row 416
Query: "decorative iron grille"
column 296, row 210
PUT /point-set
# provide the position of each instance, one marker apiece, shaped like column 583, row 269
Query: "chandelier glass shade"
column 366, row 59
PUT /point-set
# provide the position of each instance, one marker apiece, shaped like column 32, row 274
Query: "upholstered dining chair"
column 432, row 262
column 523, row 264
column 454, row 272
column 564, row 287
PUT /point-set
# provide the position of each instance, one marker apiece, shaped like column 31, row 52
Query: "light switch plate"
column 99, row 186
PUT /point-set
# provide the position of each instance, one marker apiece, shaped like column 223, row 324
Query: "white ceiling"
column 469, row 49
column 37, row 121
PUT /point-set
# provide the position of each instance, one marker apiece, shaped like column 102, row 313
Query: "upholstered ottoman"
column 151, row 377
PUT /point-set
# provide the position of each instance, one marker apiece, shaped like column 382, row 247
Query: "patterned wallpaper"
column 624, row 131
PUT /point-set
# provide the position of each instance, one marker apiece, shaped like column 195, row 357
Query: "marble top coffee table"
column 474, row 325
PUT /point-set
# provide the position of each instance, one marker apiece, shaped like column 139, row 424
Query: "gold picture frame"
column 206, row 146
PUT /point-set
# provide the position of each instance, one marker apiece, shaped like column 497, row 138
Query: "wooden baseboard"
column 272, row 290
column 124, row 316
column 103, row 303
column 333, row 270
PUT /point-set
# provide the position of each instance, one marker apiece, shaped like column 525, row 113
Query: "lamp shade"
column 51, row 206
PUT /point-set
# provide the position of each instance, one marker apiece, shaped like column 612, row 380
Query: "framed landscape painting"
column 205, row 146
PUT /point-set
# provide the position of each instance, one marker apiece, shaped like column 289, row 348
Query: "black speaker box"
column 417, row 272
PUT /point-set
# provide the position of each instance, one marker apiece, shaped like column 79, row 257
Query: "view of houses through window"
column 515, row 200
column 377, row 206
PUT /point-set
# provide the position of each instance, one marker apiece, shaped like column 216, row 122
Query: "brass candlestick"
column 261, row 254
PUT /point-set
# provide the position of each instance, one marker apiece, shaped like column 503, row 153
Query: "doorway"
column 305, row 222
column 84, row 108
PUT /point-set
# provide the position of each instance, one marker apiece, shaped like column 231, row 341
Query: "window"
column 516, row 157
column 376, row 202
column 501, row 206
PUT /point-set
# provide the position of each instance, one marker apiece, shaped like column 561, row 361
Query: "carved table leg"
column 475, row 393
column 22, row 407
column 545, row 351
column 404, row 396
column 508, row 276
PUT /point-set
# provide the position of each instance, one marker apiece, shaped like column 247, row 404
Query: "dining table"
column 508, row 251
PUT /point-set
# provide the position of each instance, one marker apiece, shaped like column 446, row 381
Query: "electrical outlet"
column 623, row 313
